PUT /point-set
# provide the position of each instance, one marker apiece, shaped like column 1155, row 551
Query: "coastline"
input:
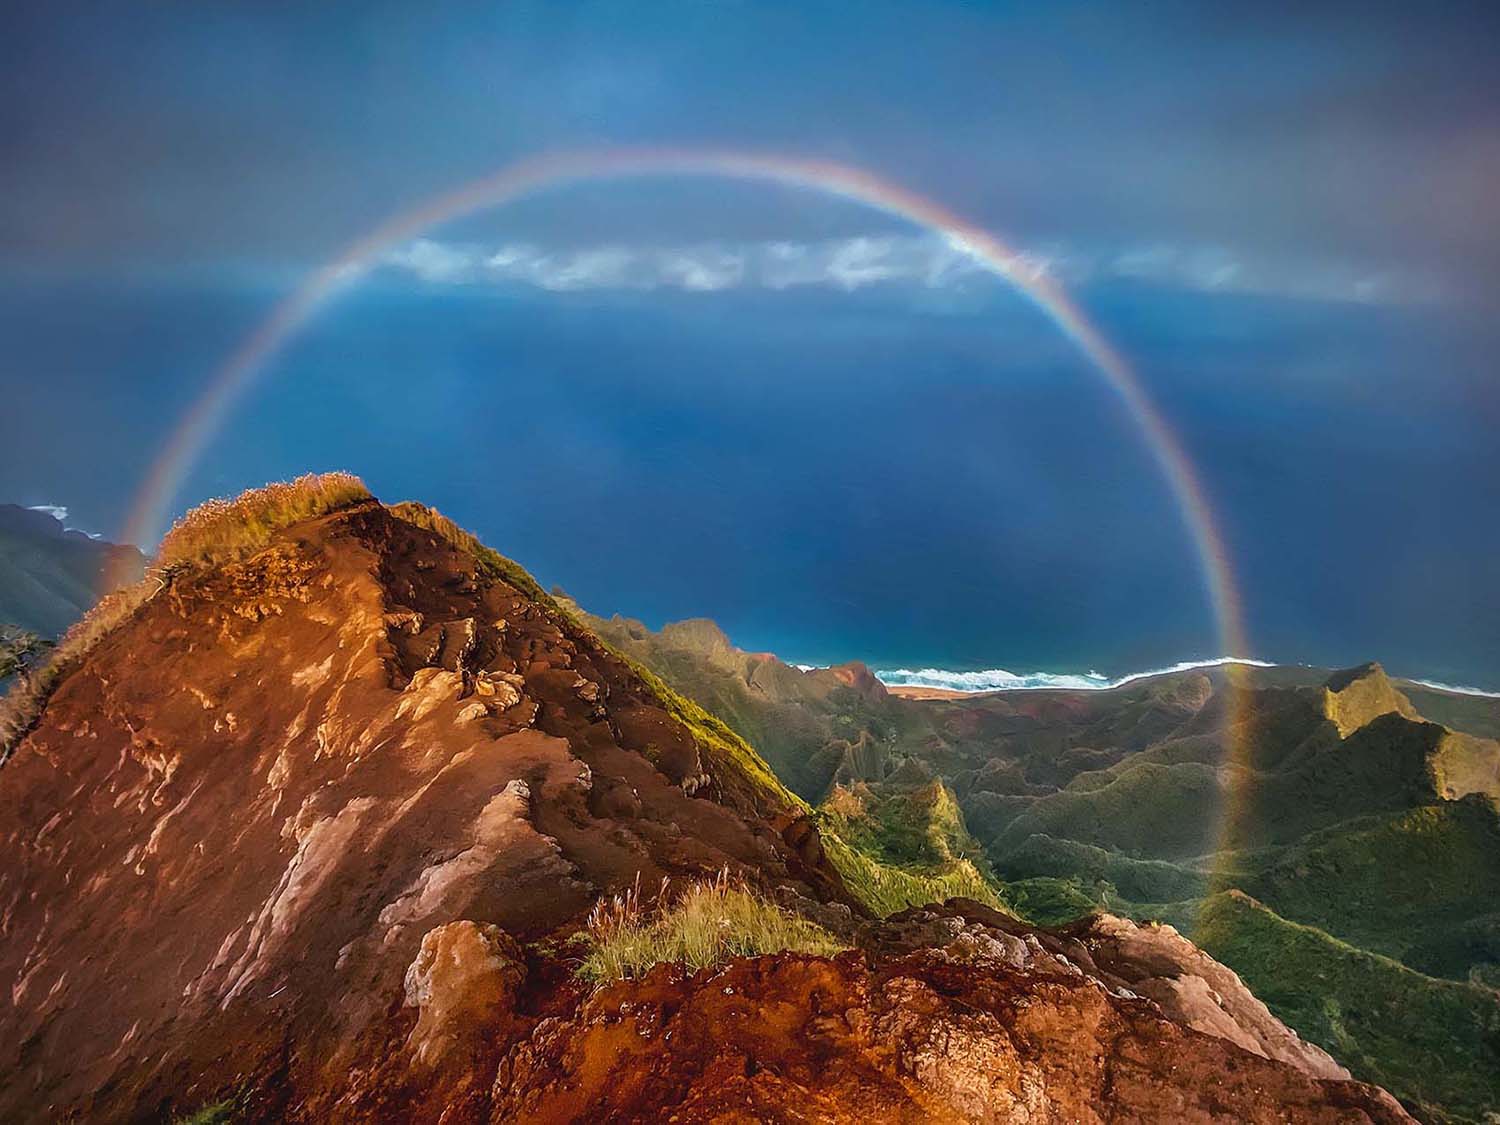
column 939, row 683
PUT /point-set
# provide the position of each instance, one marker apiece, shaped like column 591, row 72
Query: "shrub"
column 705, row 926
column 221, row 529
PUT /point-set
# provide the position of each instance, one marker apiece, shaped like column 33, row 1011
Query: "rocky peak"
column 280, row 775
column 858, row 676
column 1355, row 696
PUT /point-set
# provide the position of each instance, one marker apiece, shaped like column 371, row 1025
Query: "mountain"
column 345, row 819
column 814, row 727
column 1346, row 861
column 50, row 576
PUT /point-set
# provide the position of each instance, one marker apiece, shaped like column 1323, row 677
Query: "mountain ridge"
column 343, row 857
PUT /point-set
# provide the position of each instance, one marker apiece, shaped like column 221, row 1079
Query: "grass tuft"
column 221, row 529
column 705, row 926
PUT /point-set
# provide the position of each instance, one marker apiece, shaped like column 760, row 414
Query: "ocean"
column 914, row 482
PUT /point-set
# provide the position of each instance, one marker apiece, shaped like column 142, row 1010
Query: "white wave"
column 998, row 679
column 1456, row 689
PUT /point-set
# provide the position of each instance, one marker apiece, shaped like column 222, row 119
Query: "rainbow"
column 532, row 176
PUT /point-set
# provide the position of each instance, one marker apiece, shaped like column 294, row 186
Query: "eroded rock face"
column 1129, row 960
column 464, row 980
column 926, row 1036
column 1195, row 990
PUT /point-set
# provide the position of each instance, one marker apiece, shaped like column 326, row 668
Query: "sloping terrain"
column 311, row 833
column 1359, row 828
column 257, row 796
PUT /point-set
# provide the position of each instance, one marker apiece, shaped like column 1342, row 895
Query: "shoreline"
column 939, row 683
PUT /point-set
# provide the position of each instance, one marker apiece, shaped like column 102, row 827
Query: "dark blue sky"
column 779, row 410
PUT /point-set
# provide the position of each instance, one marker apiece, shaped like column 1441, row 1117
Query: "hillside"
column 1352, row 820
column 322, row 827
column 50, row 576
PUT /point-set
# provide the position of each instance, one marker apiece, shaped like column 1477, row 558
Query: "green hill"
column 1435, row 1042
column 1346, row 860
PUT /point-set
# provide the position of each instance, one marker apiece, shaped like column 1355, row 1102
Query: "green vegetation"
column 705, row 926
column 1164, row 811
column 1050, row 901
column 1137, row 880
column 907, row 825
column 901, row 845
column 1470, row 951
column 1435, row 1043
column 219, row 1113
column 885, row 889
column 222, row 529
column 1386, row 882
column 721, row 746
column 491, row 562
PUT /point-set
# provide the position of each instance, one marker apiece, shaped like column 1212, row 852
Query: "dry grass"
column 705, row 926
column 222, row 529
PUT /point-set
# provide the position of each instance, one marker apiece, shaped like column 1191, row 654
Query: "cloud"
column 928, row 261
column 847, row 264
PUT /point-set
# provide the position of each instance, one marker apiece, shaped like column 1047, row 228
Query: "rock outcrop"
column 973, row 1023
column 1356, row 696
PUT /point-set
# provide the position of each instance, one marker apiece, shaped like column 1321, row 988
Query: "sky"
column 821, row 426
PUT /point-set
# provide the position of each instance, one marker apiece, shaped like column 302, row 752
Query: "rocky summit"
column 320, row 830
